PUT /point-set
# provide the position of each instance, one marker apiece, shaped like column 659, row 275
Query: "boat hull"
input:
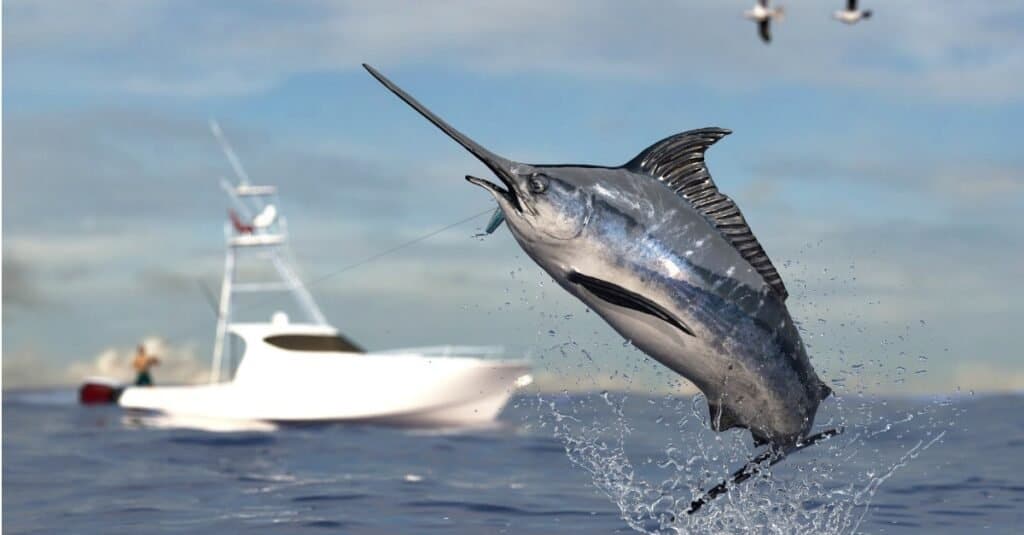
column 394, row 390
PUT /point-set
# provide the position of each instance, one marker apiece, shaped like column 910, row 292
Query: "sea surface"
column 596, row 463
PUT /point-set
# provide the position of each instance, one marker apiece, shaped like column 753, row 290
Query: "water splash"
column 828, row 488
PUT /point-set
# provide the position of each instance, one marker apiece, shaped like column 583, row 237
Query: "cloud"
column 887, row 292
column 178, row 365
column 961, row 181
column 120, row 230
column 21, row 288
column 983, row 376
column 953, row 271
column 75, row 171
column 117, row 204
column 61, row 270
column 102, row 23
column 969, row 51
column 28, row 368
column 115, row 174
column 981, row 184
column 45, row 251
column 158, row 280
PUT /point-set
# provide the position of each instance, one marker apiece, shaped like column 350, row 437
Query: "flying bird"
column 763, row 16
column 852, row 15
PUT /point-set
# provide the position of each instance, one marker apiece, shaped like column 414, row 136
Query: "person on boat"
column 142, row 364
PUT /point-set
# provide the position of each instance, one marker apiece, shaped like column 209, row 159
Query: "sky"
column 880, row 166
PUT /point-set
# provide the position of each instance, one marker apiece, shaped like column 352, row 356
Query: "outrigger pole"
column 266, row 233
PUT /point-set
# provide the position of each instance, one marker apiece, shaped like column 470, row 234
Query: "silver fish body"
column 742, row 350
column 670, row 263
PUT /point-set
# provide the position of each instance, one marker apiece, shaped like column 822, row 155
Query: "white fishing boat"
column 282, row 371
column 307, row 372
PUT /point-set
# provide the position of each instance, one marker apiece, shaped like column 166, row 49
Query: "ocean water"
column 599, row 463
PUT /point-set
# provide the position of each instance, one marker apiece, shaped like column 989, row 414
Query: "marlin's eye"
column 538, row 183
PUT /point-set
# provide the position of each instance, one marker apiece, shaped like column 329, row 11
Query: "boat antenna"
column 236, row 164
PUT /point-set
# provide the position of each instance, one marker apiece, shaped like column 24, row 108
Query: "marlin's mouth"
column 499, row 192
column 498, row 165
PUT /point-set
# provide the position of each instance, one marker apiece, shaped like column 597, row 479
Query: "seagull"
column 852, row 15
column 763, row 16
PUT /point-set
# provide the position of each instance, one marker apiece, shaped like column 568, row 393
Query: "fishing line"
column 346, row 268
column 397, row 247
column 243, row 177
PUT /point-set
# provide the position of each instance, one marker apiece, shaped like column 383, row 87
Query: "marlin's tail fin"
column 813, row 439
column 772, row 456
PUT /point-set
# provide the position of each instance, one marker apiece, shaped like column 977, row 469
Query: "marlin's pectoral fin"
column 619, row 296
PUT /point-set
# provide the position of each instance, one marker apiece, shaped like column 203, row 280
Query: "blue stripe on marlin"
column 669, row 262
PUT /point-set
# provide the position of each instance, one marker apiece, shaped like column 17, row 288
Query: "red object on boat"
column 99, row 393
column 241, row 227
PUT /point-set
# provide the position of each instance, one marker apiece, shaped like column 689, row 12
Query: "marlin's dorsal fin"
column 678, row 162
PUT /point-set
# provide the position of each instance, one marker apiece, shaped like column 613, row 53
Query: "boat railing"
column 447, row 351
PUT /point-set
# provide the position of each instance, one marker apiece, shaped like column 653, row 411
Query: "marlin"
column 669, row 262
